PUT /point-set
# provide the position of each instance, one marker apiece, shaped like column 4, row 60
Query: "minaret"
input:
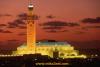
column 31, row 29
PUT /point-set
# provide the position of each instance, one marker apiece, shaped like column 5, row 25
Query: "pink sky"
column 63, row 10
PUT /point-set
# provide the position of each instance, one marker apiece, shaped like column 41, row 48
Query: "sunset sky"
column 74, row 21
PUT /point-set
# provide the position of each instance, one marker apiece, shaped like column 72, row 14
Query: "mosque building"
column 52, row 49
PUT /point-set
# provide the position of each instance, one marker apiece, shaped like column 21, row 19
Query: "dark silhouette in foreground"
column 37, row 60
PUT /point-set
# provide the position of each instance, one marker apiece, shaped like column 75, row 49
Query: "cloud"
column 72, row 24
column 84, row 28
column 92, row 27
column 53, row 26
column 12, row 25
column 8, row 15
column 50, row 27
column 60, row 23
column 1, row 30
column 55, row 31
column 12, row 40
column 57, row 25
column 5, row 31
column 4, row 15
column 22, row 27
column 50, row 16
column 24, row 16
column 16, row 23
column 91, row 20
column 54, row 23
column 3, row 25
column 52, row 31
column 79, row 32
column 64, row 31
column 59, row 31
column 22, row 33
column 20, row 21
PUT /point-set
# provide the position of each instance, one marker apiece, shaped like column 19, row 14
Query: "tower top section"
column 30, row 5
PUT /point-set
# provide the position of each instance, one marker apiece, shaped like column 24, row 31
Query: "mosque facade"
column 52, row 49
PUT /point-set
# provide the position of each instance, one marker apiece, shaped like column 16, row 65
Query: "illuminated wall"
column 65, row 50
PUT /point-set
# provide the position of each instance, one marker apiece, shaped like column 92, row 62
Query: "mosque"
column 52, row 49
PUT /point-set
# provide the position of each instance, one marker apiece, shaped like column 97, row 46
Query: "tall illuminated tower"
column 31, row 28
